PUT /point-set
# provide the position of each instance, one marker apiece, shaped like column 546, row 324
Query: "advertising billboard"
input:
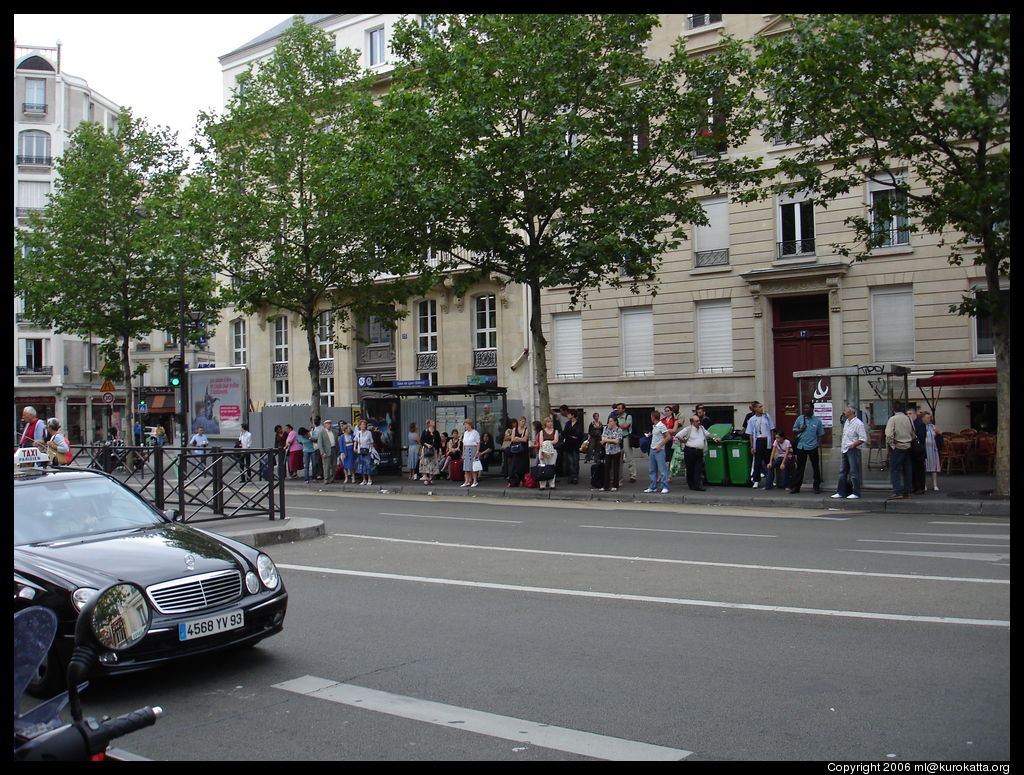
column 219, row 401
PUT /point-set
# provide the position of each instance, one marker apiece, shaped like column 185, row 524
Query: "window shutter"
column 568, row 334
column 715, row 235
column 714, row 336
column 892, row 321
column 638, row 341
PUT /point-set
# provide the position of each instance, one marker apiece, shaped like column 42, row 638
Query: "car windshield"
column 56, row 508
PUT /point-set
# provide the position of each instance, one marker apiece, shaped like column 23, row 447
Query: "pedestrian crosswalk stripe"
column 480, row 722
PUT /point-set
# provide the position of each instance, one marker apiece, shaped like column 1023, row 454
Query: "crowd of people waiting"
column 551, row 450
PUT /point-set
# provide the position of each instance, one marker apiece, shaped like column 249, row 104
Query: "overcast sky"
column 163, row 66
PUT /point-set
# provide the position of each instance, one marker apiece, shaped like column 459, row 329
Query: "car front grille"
column 194, row 593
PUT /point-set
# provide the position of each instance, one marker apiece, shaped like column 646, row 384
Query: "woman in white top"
column 470, row 453
column 364, row 451
column 58, row 443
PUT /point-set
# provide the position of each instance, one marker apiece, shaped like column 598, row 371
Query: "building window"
column 892, row 324
column 486, row 322
column 426, row 322
column 326, row 391
column 35, row 95
column 35, row 350
column 637, row 341
column 796, row 227
column 34, row 148
column 711, row 242
column 984, row 342
column 325, row 336
column 90, row 357
column 697, row 20
column 714, row 336
column 711, row 139
column 375, row 46
column 239, row 351
column 281, row 339
column 281, row 390
column 567, row 330
column 889, row 222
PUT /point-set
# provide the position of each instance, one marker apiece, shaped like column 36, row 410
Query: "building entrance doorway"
column 800, row 343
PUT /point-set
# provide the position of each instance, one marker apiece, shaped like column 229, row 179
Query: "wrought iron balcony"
column 33, row 107
column 703, row 258
column 35, row 371
column 697, row 20
column 38, row 161
column 794, row 248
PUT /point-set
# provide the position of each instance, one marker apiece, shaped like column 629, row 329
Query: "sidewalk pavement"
column 960, row 495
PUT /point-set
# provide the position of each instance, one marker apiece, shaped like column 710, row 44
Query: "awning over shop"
column 161, row 404
column 951, row 377
column 959, row 377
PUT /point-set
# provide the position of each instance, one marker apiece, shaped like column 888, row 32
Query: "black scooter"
column 117, row 618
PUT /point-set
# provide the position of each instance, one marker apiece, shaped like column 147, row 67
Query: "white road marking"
column 704, row 563
column 482, row 723
column 979, row 556
column 927, row 543
column 461, row 519
column 672, row 530
column 651, row 598
column 959, row 535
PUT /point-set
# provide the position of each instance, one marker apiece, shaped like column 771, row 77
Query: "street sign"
column 107, row 386
column 108, row 398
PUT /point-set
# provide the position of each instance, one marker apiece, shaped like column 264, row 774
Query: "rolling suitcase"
column 455, row 470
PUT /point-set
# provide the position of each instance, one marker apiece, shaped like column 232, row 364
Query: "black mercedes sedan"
column 76, row 532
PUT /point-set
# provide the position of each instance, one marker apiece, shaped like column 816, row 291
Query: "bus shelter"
column 392, row 410
column 875, row 389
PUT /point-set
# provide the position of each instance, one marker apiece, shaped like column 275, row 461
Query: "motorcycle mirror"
column 117, row 618
column 34, row 631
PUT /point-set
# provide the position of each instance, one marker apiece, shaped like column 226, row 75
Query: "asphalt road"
column 458, row 629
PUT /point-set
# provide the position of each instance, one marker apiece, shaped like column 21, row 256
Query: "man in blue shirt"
column 809, row 430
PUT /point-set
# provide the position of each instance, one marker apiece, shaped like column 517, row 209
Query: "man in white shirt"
column 695, row 438
column 855, row 435
column 657, row 466
column 244, row 443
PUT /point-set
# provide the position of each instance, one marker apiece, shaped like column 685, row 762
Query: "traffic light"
column 175, row 372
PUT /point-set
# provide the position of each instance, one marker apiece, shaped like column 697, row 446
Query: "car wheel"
column 51, row 677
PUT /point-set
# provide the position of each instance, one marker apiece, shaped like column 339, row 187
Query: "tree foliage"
column 108, row 254
column 555, row 152
column 299, row 185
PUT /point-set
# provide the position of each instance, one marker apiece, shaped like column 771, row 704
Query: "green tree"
column 108, row 254
column 920, row 103
column 298, row 186
column 554, row 152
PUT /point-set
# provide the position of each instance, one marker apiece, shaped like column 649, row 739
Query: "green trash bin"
column 739, row 460
column 715, row 466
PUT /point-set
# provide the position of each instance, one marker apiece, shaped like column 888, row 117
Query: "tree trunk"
column 314, row 364
column 539, row 344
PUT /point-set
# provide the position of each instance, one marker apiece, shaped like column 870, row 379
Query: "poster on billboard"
column 219, row 401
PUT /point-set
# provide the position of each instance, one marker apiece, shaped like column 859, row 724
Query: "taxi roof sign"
column 28, row 456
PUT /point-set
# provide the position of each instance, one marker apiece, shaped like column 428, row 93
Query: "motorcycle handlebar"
column 84, row 739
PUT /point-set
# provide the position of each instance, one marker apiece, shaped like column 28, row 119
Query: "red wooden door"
column 801, row 343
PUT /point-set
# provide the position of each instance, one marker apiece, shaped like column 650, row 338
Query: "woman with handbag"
column 364, row 461
column 547, row 450
column 430, row 452
column 519, row 454
column 470, row 453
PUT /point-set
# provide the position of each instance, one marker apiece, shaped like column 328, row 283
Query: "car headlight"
column 268, row 572
column 81, row 596
column 252, row 583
